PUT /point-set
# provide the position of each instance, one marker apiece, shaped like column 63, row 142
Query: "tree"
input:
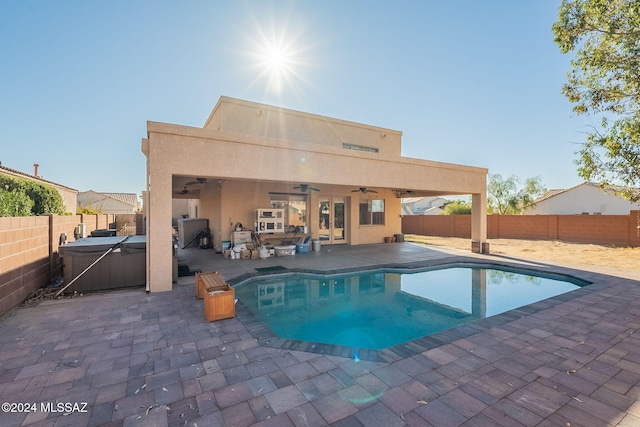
column 605, row 81
column 457, row 207
column 506, row 197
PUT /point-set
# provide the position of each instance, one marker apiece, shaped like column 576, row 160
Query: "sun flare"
column 277, row 56
column 276, row 60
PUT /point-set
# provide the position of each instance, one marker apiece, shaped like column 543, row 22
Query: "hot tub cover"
column 99, row 245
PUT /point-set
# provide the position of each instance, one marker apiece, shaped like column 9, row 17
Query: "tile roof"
column 32, row 177
column 128, row 198
column 552, row 193
column 549, row 194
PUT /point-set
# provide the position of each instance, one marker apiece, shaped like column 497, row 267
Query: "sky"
column 467, row 82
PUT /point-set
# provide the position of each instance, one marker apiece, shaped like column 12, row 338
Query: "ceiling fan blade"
column 197, row 181
column 185, row 191
column 305, row 187
column 363, row 190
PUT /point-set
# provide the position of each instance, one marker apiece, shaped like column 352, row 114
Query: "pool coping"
column 265, row 337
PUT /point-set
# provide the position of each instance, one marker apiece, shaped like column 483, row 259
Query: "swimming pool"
column 380, row 309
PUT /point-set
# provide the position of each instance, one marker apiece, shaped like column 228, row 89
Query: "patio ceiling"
column 188, row 187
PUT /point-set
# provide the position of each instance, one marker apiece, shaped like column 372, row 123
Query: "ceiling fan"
column 304, row 187
column 363, row 190
column 400, row 193
column 197, row 181
column 183, row 191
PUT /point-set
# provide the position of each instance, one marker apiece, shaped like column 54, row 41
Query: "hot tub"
column 122, row 268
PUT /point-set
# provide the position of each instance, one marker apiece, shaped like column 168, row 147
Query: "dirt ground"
column 541, row 250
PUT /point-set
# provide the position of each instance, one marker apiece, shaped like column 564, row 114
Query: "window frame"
column 369, row 216
column 357, row 147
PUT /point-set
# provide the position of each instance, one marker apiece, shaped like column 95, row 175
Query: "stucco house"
column 583, row 199
column 423, row 205
column 109, row 203
column 340, row 181
column 69, row 195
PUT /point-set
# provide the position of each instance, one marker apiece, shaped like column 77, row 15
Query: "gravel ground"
column 542, row 250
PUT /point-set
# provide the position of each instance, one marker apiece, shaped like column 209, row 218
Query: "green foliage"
column 457, row 207
column 14, row 203
column 88, row 210
column 43, row 198
column 507, row 197
column 605, row 80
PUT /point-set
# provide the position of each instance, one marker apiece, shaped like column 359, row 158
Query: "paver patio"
column 129, row 358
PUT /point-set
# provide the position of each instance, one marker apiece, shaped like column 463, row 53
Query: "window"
column 372, row 212
column 295, row 208
column 359, row 147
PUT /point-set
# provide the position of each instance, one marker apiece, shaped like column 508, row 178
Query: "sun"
column 277, row 59
column 277, row 56
column 276, row 62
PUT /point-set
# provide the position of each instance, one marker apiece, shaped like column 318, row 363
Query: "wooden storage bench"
column 219, row 296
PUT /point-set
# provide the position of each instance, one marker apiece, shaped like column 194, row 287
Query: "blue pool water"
column 381, row 309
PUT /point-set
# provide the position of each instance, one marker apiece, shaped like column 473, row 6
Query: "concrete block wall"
column 29, row 257
column 96, row 222
column 519, row 227
column 617, row 230
column 438, row 225
column 61, row 225
column 597, row 229
column 24, row 258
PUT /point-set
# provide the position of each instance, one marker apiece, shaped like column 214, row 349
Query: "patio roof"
column 248, row 150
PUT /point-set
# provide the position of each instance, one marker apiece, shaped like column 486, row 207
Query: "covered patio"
column 340, row 181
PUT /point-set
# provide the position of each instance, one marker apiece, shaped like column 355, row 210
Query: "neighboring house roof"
column 549, row 194
column 423, row 205
column 585, row 198
column 15, row 172
column 406, row 210
column 91, row 198
column 552, row 193
column 128, row 198
column 411, row 199
column 434, row 210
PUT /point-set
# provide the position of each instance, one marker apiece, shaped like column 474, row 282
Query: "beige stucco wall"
column 249, row 165
column 236, row 202
column 268, row 121
column 193, row 152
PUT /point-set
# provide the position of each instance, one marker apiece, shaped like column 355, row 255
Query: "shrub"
column 456, row 207
column 44, row 198
column 14, row 203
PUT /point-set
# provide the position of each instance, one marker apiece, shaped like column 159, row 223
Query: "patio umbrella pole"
column 89, row 268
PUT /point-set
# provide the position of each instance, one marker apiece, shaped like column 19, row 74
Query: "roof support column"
column 159, row 244
column 479, row 242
